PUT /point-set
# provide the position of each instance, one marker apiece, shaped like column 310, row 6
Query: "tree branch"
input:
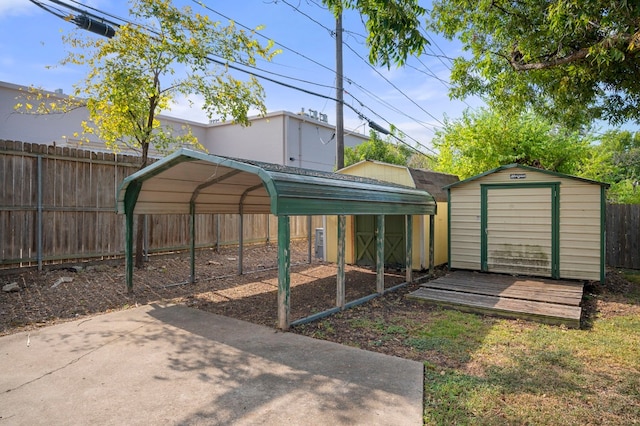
column 579, row 54
column 519, row 66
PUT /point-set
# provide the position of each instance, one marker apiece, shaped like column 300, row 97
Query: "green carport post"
column 340, row 279
column 192, row 242
column 284, row 270
column 432, row 237
column 130, row 199
column 409, row 262
column 380, row 255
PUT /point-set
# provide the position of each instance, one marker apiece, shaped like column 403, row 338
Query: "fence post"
column 39, row 224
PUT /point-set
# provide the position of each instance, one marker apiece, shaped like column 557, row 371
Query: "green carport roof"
column 217, row 184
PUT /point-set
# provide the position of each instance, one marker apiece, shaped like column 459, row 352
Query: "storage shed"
column 521, row 220
column 360, row 239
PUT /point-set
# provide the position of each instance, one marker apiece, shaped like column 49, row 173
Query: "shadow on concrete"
column 172, row 364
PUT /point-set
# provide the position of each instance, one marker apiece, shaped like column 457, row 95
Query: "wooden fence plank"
column 78, row 202
column 623, row 236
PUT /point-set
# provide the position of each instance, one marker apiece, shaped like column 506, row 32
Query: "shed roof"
column 430, row 181
column 522, row 166
column 433, row 182
column 216, row 184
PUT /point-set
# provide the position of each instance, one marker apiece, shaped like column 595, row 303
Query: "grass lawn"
column 481, row 370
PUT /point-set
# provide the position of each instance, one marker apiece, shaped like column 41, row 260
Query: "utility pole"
column 339, row 96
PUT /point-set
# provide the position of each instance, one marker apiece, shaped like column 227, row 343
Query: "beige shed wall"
column 420, row 253
column 580, row 222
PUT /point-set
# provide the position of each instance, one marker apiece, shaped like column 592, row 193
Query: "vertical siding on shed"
column 464, row 226
column 580, row 210
column 400, row 175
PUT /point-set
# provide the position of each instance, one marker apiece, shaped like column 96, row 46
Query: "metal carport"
column 190, row 182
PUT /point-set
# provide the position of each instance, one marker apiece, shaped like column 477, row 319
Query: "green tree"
column 486, row 139
column 377, row 149
column 393, row 27
column 615, row 159
column 574, row 60
column 136, row 74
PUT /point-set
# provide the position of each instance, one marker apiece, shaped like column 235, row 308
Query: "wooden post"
column 432, row 238
column 409, row 238
column 380, row 255
column 284, row 265
column 340, row 285
column 39, row 216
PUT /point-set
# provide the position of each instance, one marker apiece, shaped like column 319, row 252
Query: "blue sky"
column 413, row 98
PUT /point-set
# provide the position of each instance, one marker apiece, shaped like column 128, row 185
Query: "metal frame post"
column 409, row 260
column 192, row 236
column 380, row 254
column 130, row 199
column 240, row 242
column 340, row 284
column 432, row 238
column 284, row 270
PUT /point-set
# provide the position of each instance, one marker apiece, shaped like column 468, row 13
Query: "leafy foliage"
column 569, row 59
column 393, row 27
column 135, row 75
column 484, row 140
column 377, row 149
column 616, row 160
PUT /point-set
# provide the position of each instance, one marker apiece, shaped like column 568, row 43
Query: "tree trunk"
column 139, row 258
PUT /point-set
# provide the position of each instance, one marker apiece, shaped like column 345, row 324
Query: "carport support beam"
column 240, row 241
column 380, row 255
column 432, row 238
column 284, row 271
column 309, row 238
column 192, row 237
column 340, row 284
column 130, row 199
column 409, row 260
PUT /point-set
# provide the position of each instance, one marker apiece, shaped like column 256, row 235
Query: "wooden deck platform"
column 545, row 300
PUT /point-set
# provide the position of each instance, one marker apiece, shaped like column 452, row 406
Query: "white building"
column 304, row 140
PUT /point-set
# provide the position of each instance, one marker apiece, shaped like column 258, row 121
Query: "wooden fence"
column 57, row 205
column 623, row 235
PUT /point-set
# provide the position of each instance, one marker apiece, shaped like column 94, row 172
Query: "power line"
column 202, row 4
column 394, row 86
column 237, row 67
column 365, row 61
column 382, row 76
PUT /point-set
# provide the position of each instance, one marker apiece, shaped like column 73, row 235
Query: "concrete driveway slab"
column 168, row 364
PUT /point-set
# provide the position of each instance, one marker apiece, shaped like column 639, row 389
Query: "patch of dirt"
column 64, row 293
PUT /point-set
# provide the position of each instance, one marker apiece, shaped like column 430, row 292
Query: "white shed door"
column 519, row 236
